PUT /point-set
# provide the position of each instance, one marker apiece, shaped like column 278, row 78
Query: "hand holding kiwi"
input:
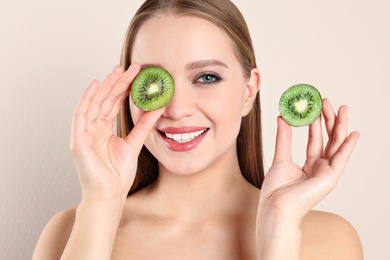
column 106, row 164
column 294, row 190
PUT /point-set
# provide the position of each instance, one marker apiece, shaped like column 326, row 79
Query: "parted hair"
column 227, row 16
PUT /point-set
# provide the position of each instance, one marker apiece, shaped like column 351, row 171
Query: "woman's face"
column 211, row 93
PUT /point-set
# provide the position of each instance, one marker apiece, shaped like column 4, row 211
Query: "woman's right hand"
column 106, row 164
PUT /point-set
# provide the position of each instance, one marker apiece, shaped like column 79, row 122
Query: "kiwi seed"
column 300, row 105
column 152, row 89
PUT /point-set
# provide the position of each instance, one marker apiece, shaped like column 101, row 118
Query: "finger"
column 136, row 138
column 339, row 131
column 79, row 122
column 330, row 119
column 315, row 143
column 342, row 155
column 103, row 92
column 283, row 142
column 329, row 116
column 119, row 93
column 117, row 107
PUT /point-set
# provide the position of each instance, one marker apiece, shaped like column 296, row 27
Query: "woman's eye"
column 209, row 78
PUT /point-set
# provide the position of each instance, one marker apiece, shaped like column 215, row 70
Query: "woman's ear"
column 252, row 89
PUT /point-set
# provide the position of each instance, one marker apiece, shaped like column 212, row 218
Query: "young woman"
column 147, row 196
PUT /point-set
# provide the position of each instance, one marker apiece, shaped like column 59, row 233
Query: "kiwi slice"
column 152, row 89
column 300, row 105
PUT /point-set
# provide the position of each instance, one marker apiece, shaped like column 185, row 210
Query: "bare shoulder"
column 55, row 235
column 329, row 236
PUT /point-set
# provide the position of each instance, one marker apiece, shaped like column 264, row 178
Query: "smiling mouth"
column 184, row 137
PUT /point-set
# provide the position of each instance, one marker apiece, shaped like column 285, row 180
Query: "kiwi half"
column 300, row 105
column 152, row 89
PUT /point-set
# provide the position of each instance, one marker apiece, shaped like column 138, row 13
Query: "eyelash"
column 216, row 78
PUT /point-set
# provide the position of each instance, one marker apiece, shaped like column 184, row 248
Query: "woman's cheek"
column 223, row 108
column 217, row 98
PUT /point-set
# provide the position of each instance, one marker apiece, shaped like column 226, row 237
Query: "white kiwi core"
column 301, row 105
column 153, row 88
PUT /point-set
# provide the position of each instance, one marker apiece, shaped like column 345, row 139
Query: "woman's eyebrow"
column 204, row 63
column 192, row 65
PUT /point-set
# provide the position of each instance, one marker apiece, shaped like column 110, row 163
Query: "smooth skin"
column 208, row 210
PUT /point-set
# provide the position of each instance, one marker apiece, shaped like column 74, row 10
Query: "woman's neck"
column 219, row 190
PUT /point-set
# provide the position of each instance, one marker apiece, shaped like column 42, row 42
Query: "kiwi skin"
column 152, row 89
column 311, row 105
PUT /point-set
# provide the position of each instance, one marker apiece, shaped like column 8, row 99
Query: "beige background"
column 51, row 50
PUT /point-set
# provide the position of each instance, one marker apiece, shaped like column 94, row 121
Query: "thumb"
column 136, row 138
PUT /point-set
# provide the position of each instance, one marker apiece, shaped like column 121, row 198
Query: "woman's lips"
column 183, row 138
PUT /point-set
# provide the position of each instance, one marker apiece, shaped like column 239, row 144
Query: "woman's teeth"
column 186, row 137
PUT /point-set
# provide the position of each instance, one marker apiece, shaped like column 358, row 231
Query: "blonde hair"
column 226, row 15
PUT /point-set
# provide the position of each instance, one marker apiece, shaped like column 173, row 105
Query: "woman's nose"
column 181, row 105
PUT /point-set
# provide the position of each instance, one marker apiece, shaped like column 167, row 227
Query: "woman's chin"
column 181, row 169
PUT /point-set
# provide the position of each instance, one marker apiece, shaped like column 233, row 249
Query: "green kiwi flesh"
column 300, row 105
column 152, row 89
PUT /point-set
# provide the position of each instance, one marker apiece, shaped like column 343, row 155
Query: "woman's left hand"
column 292, row 191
